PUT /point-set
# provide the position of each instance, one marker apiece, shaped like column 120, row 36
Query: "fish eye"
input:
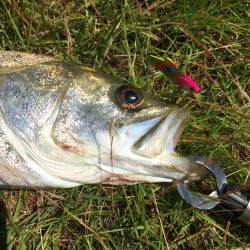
column 129, row 98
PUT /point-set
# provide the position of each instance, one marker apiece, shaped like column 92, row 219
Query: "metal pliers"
column 232, row 197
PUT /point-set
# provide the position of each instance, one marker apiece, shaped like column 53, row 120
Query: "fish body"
column 62, row 125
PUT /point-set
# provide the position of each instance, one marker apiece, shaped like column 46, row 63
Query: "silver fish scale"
column 27, row 107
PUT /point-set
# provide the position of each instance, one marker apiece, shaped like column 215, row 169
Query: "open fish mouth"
column 160, row 134
column 163, row 136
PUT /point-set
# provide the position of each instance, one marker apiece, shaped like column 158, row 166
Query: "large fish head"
column 113, row 133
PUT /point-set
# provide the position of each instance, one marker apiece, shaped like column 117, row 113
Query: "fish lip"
column 163, row 135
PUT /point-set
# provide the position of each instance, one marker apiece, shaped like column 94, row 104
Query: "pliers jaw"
column 232, row 198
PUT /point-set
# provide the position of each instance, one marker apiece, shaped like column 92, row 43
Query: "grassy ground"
column 208, row 39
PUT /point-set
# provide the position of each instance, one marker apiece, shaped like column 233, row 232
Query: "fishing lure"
column 169, row 68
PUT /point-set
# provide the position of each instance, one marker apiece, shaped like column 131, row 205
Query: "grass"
column 209, row 40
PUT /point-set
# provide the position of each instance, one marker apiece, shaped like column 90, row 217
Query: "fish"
column 169, row 69
column 63, row 125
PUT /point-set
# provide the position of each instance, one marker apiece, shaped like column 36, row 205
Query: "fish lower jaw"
column 130, row 168
column 119, row 179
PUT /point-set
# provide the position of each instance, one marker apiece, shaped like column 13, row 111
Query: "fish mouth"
column 160, row 134
column 149, row 145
